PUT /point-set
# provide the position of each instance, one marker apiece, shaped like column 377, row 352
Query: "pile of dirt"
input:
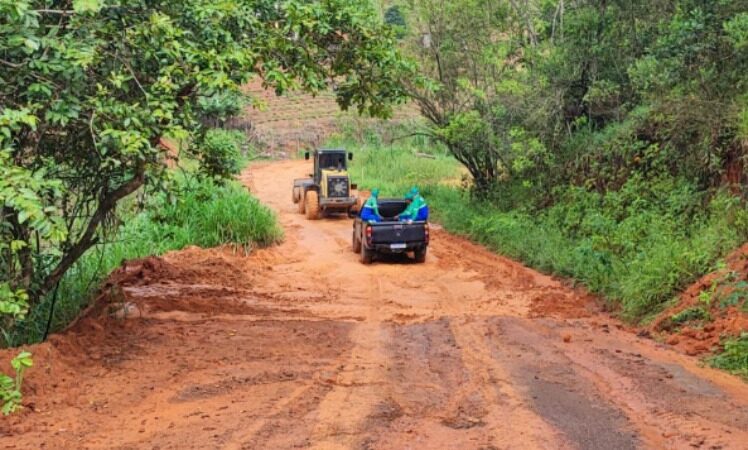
column 709, row 311
column 553, row 303
column 192, row 280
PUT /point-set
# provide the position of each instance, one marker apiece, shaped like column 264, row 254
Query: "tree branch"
column 11, row 65
column 88, row 239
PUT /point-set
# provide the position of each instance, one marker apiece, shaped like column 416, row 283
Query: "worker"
column 417, row 210
column 370, row 210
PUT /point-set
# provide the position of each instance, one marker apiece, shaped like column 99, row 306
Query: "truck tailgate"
column 398, row 232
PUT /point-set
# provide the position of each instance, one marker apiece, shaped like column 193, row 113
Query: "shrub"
column 217, row 108
column 220, row 157
column 10, row 387
column 734, row 358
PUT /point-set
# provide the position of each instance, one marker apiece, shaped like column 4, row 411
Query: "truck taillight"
column 426, row 232
column 368, row 234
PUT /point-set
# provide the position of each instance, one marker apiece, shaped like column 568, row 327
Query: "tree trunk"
column 107, row 203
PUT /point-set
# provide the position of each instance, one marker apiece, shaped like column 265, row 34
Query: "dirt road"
column 301, row 346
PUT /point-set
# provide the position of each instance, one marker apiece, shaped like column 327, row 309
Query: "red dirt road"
column 301, row 346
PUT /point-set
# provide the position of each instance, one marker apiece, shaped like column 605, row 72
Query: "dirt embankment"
column 301, row 346
column 713, row 309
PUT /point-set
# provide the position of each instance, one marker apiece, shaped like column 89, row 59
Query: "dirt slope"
column 717, row 307
column 300, row 346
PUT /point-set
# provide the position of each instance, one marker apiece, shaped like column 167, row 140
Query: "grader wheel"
column 312, row 205
column 301, row 204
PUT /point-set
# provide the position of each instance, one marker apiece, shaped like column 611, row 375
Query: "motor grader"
column 328, row 189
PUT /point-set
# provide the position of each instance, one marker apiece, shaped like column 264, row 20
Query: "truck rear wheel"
column 312, row 205
column 295, row 194
column 367, row 256
column 356, row 243
column 419, row 255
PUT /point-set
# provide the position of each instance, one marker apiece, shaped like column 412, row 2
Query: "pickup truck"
column 390, row 235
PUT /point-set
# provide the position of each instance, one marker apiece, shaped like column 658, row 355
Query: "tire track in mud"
column 671, row 404
column 551, row 384
column 510, row 421
column 359, row 384
column 301, row 346
column 357, row 387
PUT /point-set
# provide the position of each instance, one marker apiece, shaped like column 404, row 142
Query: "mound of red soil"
column 192, row 281
column 715, row 305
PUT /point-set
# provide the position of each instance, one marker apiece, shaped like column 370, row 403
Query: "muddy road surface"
column 301, row 346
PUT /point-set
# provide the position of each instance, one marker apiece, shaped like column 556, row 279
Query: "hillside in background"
column 285, row 124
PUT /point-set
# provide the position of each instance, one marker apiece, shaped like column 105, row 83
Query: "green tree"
column 475, row 89
column 547, row 92
column 89, row 87
column 655, row 87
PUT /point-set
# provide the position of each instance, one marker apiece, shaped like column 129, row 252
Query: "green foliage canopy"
column 549, row 92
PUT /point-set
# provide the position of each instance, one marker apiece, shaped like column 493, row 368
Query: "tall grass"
column 395, row 169
column 199, row 212
column 634, row 271
column 207, row 214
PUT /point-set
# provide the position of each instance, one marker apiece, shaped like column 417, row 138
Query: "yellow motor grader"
column 329, row 187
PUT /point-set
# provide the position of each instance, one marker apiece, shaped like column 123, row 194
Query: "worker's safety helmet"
column 375, row 192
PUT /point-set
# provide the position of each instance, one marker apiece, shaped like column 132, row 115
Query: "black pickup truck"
column 390, row 235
